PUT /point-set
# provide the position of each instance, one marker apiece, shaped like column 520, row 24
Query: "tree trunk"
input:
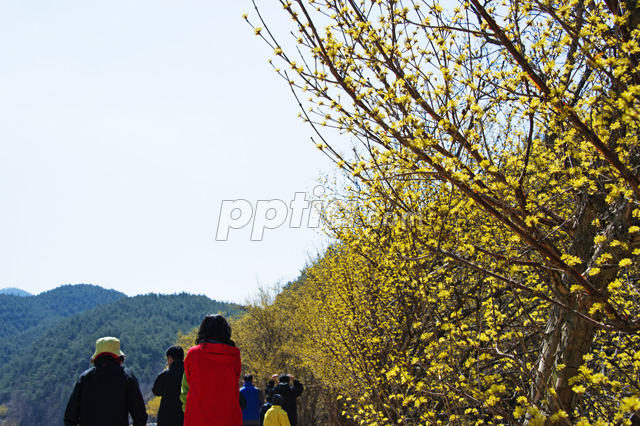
column 568, row 339
column 575, row 343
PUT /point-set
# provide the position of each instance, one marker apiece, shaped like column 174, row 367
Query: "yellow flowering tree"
column 271, row 336
column 424, row 339
column 268, row 335
column 495, row 168
column 153, row 406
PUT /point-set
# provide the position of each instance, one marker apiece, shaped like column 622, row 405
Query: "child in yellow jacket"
column 276, row 416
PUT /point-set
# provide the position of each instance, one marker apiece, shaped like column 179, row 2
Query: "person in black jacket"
column 107, row 393
column 265, row 408
column 167, row 385
column 289, row 394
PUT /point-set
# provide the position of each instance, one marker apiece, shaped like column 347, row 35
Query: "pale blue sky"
column 123, row 127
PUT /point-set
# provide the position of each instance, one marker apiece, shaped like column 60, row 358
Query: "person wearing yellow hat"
column 106, row 393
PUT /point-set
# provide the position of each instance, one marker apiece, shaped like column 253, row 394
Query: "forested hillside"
column 18, row 313
column 23, row 319
column 36, row 384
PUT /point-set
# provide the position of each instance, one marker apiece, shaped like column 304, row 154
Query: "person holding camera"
column 290, row 389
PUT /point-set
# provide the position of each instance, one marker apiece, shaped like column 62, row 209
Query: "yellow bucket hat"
column 107, row 345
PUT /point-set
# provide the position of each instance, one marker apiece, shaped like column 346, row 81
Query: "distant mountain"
column 15, row 292
column 24, row 319
column 36, row 384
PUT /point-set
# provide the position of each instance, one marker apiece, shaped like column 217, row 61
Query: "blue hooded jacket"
column 253, row 396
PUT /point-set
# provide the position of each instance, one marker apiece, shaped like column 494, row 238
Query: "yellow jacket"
column 276, row 416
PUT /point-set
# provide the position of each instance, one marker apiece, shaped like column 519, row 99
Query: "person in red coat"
column 210, row 393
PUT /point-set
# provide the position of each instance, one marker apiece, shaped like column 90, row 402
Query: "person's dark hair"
column 214, row 327
column 175, row 352
column 283, row 378
column 277, row 399
column 248, row 378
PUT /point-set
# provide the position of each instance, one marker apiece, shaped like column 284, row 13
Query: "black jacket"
column 263, row 412
column 167, row 385
column 105, row 395
column 289, row 394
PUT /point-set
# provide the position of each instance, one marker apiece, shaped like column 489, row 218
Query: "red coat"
column 212, row 371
